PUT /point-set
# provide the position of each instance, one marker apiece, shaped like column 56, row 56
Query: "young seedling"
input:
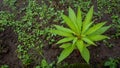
column 79, row 34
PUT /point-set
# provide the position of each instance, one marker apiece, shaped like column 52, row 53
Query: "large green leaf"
column 66, row 45
column 88, row 41
column 69, row 23
column 65, row 40
column 88, row 19
column 101, row 30
column 95, row 28
column 80, row 45
column 63, row 29
column 61, row 33
column 97, row 37
column 85, row 54
column 72, row 16
column 79, row 19
column 87, row 27
column 65, row 53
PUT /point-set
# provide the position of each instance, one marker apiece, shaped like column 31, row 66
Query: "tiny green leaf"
column 44, row 63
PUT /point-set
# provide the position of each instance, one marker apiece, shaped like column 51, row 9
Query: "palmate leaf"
column 67, row 39
column 94, row 28
column 86, row 54
column 63, row 29
column 69, row 23
column 65, row 53
column 61, row 33
column 88, row 19
column 72, row 17
column 79, row 19
column 97, row 37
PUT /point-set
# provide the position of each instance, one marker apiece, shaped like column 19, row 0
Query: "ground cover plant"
column 112, row 63
column 25, row 40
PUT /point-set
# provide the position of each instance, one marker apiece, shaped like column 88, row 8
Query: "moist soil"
column 99, row 54
column 8, row 46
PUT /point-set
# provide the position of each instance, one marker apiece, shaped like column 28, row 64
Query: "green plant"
column 116, row 21
column 77, row 65
column 45, row 64
column 6, row 19
column 80, row 34
column 31, row 28
column 108, row 44
column 4, row 66
column 112, row 63
column 10, row 3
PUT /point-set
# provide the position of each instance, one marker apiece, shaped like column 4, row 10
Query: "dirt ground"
column 99, row 54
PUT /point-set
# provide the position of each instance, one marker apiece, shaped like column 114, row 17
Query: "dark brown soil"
column 99, row 54
column 8, row 46
column 8, row 43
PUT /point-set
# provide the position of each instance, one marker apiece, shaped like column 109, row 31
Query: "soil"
column 8, row 55
column 8, row 46
column 99, row 54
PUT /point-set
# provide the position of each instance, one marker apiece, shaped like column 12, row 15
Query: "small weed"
column 110, row 45
column 110, row 7
column 44, row 64
column 6, row 19
column 10, row 3
column 111, row 63
column 4, row 66
column 116, row 21
column 31, row 28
